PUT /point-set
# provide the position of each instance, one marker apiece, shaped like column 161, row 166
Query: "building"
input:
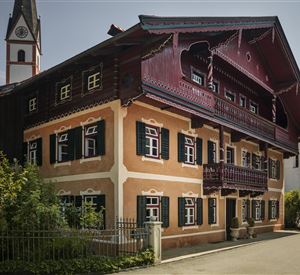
column 292, row 173
column 182, row 119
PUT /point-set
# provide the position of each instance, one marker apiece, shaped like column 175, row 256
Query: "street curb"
column 176, row 259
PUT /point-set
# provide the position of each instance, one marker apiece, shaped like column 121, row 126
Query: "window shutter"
column 101, row 137
column 78, row 201
column 24, row 154
column 39, row 152
column 140, row 138
column 277, row 209
column 210, row 155
column 52, row 148
column 270, row 168
column 270, row 210
column 248, row 209
column 100, row 200
column 181, row 211
column 199, row 211
column 248, row 156
column 141, row 210
column 278, row 169
column 165, row 143
column 180, row 141
column 253, row 209
column 263, row 164
column 210, row 210
column 78, row 142
column 71, row 144
column 165, row 211
column 254, row 160
column 263, row 210
column 199, row 151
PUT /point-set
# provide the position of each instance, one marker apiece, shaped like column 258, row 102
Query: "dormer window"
column 65, row 92
column 197, row 77
column 32, row 104
column 92, row 79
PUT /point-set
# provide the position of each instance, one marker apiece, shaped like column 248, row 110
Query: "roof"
column 27, row 8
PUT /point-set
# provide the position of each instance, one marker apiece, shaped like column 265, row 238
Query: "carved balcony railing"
column 217, row 176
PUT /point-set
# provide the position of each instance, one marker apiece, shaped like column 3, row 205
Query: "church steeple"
column 23, row 38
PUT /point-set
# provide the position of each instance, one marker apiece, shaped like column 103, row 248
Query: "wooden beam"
column 197, row 122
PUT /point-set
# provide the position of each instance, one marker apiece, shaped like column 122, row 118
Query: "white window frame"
column 215, row 152
column 90, row 135
column 215, row 217
column 189, row 150
column 244, row 210
column 62, row 140
column 32, row 152
column 244, row 98
column 93, row 81
column 273, row 169
column 189, row 211
column 232, row 150
column 152, row 135
column 227, row 95
column 152, row 207
column 273, row 209
column 258, row 210
column 244, row 162
column 253, row 106
column 197, row 77
column 216, row 87
column 32, row 104
column 65, row 92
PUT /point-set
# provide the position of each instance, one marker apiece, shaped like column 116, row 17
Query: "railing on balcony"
column 283, row 136
column 238, row 177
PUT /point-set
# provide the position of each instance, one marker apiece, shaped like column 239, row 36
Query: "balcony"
column 229, row 176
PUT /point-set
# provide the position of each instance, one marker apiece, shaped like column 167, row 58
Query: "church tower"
column 23, row 42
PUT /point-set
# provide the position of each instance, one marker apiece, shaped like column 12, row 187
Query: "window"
column 245, row 158
column 65, row 92
column 32, row 154
column 253, row 107
column 245, row 210
column 215, row 87
column 197, row 77
column 152, row 208
column 93, row 81
column 21, row 56
column 189, row 211
column 243, row 101
column 273, row 169
column 230, row 96
column 189, row 150
column 273, row 204
column 152, row 141
column 32, row 104
column 257, row 214
column 212, row 211
column 62, row 142
column 90, row 141
column 257, row 162
column 230, row 155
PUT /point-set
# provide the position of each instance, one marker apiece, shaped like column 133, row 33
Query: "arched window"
column 21, row 56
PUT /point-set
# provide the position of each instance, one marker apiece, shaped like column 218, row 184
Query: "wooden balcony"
column 229, row 176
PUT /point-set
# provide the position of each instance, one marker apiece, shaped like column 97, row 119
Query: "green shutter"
column 253, row 209
column 24, row 154
column 210, row 152
column 278, row 169
column 270, row 168
column 253, row 160
column 100, row 200
column 101, row 137
column 180, row 142
column 52, row 148
column 270, row 209
column 181, row 211
column 199, row 151
column 78, row 201
column 164, row 143
column 140, row 138
column 71, row 144
column 165, row 211
column 78, row 142
column 141, row 210
column 39, row 152
column 199, row 211
column 263, row 207
column 211, row 211
column 248, row 210
column 277, row 209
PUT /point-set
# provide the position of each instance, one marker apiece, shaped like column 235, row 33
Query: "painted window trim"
column 234, row 153
column 216, row 224
column 244, row 97
column 194, row 207
column 186, row 163
column 226, row 91
column 251, row 102
column 151, row 137
column 203, row 75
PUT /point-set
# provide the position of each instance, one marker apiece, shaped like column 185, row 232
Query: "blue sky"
column 72, row 26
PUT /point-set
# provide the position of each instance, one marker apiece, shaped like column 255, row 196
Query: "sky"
column 72, row 26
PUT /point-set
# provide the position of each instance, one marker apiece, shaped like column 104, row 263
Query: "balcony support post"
column 210, row 78
column 221, row 142
column 274, row 109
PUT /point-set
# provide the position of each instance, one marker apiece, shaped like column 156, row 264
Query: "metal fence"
column 38, row 244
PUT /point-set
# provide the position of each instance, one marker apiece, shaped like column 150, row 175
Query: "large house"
column 185, row 119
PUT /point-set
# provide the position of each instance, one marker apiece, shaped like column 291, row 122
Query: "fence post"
column 154, row 231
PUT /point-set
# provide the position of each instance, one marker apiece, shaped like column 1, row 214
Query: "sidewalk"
column 177, row 254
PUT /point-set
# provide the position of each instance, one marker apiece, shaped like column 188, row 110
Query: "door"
column 230, row 213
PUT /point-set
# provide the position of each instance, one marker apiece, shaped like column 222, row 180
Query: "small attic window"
column 248, row 56
column 21, row 56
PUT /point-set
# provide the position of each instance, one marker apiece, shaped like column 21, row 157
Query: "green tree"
column 25, row 199
column 292, row 207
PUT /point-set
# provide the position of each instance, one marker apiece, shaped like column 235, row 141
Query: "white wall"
column 20, row 72
column 14, row 48
column 292, row 174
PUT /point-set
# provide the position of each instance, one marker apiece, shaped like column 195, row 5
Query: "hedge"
column 97, row 264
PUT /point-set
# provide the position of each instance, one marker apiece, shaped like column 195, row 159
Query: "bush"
column 76, row 266
column 235, row 222
column 292, row 208
column 251, row 222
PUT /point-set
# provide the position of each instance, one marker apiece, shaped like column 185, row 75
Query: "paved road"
column 279, row 256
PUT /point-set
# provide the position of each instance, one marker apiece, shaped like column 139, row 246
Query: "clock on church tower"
column 23, row 48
